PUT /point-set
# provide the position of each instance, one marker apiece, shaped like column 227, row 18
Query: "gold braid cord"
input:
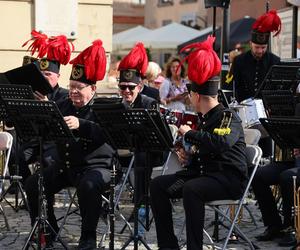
column 225, row 123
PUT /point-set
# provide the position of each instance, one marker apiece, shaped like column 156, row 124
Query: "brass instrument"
column 296, row 209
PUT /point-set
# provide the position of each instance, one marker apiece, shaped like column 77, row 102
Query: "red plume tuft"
column 269, row 22
column 136, row 59
column 203, row 62
column 59, row 49
column 39, row 43
column 94, row 60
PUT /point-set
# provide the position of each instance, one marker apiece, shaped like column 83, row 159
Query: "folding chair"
column 6, row 140
column 252, row 136
column 253, row 155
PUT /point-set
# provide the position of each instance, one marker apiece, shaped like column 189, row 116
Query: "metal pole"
column 225, row 31
column 214, row 24
column 295, row 32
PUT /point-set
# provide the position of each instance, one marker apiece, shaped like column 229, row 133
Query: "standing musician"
column 85, row 162
column 132, row 67
column 250, row 68
column 49, row 66
column 213, row 156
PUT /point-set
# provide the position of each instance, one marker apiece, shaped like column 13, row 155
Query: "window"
column 187, row 1
column 166, row 22
column 138, row 2
column 165, row 2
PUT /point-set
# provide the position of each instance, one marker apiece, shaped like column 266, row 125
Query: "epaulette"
column 224, row 128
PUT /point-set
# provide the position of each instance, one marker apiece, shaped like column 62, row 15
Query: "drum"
column 241, row 111
column 254, row 109
column 191, row 119
column 175, row 117
column 163, row 110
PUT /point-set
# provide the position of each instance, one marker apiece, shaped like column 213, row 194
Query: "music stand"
column 41, row 120
column 279, row 102
column 138, row 130
column 29, row 75
column 280, row 77
column 283, row 130
column 10, row 91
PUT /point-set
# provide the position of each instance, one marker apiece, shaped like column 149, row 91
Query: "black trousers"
column 90, row 184
column 280, row 173
column 195, row 192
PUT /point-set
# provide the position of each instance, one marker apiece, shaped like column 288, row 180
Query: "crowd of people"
column 212, row 154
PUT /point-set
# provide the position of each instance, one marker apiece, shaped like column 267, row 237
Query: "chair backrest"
column 6, row 141
column 252, row 136
column 253, row 156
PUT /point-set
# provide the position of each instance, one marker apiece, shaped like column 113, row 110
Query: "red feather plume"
column 269, row 22
column 94, row 60
column 136, row 59
column 203, row 62
column 39, row 43
column 59, row 49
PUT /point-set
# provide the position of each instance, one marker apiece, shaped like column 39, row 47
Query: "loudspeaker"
column 216, row 3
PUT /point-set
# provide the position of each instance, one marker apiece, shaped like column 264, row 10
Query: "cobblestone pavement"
column 20, row 227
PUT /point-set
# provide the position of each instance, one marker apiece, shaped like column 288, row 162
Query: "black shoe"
column 288, row 239
column 87, row 244
column 269, row 234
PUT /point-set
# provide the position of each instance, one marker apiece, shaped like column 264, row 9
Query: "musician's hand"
column 40, row 96
column 72, row 122
column 183, row 156
column 183, row 129
column 297, row 152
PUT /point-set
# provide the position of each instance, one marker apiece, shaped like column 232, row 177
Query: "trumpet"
column 296, row 209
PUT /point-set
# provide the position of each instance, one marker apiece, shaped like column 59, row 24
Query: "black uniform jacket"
column 219, row 147
column 151, row 92
column 142, row 101
column 249, row 73
column 58, row 94
column 90, row 149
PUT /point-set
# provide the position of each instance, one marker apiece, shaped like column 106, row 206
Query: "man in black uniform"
column 250, row 68
column 49, row 66
column 84, row 163
column 130, row 85
column 213, row 156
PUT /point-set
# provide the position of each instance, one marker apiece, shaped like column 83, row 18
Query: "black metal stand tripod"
column 140, row 131
column 43, row 121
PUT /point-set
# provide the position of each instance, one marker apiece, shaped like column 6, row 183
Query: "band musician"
column 213, row 156
column 84, row 163
column 249, row 69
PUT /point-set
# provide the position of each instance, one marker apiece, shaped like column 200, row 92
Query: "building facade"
column 194, row 14
column 92, row 20
column 128, row 14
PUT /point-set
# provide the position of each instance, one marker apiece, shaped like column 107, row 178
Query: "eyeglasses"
column 124, row 87
column 78, row 88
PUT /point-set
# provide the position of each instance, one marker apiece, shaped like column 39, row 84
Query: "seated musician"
column 250, row 68
column 84, row 163
column 131, row 70
column 277, row 173
column 213, row 156
column 50, row 67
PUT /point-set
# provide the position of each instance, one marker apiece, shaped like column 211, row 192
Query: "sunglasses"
column 124, row 87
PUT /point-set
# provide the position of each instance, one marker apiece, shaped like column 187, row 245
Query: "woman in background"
column 173, row 91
